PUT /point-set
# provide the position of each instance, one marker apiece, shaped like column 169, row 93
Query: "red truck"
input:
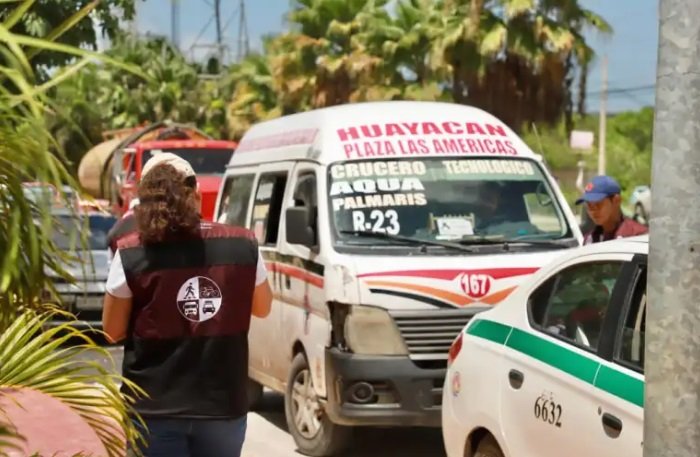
column 111, row 170
column 208, row 158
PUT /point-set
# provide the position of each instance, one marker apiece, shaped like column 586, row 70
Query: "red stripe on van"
column 297, row 273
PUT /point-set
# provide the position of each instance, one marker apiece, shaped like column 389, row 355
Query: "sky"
column 631, row 50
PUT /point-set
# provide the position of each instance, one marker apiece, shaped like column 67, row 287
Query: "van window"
column 631, row 346
column 438, row 199
column 268, row 207
column 235, row 200
column 306, row 195
column 305, row 191
column 572, row 304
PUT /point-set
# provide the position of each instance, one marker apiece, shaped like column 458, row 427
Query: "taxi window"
column 572, row 304
column 631, row 344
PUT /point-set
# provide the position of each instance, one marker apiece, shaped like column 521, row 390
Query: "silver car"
column 641, row 202
column 88, row 265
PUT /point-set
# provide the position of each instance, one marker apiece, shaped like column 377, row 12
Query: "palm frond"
column 36, row 357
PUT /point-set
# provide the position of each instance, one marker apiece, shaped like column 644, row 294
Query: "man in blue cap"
column 603, row 204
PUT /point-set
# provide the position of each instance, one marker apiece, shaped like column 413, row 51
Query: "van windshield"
column 440, row 199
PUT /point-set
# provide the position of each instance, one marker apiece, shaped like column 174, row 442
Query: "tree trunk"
column 458, row 95
column 582, row 87
column 569, row 70
column 477, row 6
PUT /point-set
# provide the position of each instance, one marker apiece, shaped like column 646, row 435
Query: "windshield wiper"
column 483, row 240
column 406, row 239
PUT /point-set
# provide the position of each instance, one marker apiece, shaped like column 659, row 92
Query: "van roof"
column 380, row 130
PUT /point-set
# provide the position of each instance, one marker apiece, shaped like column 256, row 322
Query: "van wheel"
column 488, row 447
column 255, row 393
column 313, row 432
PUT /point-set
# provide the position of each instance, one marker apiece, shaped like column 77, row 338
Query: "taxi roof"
column 631, row 245
column 380, row 130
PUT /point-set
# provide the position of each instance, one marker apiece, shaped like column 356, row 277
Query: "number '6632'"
column 547, row 410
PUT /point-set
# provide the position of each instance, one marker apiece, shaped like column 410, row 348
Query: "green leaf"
column 494, row 40
column 17, row 13
column 514, row 8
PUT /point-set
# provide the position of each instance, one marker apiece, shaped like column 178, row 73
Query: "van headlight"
column 372, row 331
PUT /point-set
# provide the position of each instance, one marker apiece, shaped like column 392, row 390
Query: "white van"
column 385, row 227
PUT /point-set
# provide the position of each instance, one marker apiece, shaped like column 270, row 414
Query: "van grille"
column 429, row 334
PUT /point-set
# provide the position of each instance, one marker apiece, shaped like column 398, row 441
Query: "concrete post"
column 672, row 394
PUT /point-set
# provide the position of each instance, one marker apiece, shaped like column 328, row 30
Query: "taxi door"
column 620, row 380
column 549, row 404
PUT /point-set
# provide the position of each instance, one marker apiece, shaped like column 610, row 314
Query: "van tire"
column 330, row 439
column 488, row 447
column 255, row 393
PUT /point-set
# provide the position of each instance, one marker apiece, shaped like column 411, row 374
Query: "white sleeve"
column 261, row 271
column 116, row 280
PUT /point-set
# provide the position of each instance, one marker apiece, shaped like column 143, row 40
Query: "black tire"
column 488, row 447
column 255, row 393
column 330, row 439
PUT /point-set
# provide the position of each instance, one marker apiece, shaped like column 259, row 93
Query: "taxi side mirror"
column 298, row 226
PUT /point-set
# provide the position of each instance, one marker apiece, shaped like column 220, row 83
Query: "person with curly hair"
column 180, row 294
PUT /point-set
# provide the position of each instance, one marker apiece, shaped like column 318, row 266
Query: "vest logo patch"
column 199, row 299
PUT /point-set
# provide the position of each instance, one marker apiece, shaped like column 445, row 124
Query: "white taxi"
column 557, row 368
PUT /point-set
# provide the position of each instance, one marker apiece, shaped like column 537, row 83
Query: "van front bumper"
column 381, row 391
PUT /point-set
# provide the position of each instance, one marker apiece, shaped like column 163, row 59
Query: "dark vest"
column 625, row 228
column 187, row 342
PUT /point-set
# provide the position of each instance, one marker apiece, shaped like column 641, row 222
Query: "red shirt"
column 626, row 228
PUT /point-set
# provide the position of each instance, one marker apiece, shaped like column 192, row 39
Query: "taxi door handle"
column 612, row 425
column 516, row 378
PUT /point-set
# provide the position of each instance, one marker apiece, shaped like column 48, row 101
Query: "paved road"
column 268, row 436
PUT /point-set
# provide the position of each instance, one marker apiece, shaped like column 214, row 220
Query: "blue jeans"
column 194, row 437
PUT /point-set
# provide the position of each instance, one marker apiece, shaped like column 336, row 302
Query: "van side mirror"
column 299, row 229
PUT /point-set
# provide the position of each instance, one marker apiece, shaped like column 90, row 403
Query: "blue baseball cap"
column 599, row 188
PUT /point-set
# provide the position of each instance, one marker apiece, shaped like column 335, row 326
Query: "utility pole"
column 672, row 390
column 603, row 116
column 219, row 39
column 175, row 23
column 243, row 40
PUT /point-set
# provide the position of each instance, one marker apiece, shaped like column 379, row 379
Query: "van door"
column 305, row 316
column 265, row 334
column 234, row 208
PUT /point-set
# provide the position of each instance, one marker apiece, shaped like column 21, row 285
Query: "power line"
column 201, row 32
column 621, row 90
column 230, row 19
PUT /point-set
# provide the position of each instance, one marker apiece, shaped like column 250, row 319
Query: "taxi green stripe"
column 490, row 330
column 573, row 363
column 552, row 354
column 621, row 385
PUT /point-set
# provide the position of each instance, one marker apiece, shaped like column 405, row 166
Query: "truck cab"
column 209, row 159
